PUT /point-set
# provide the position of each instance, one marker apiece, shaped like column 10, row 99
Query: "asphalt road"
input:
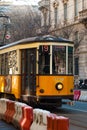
column 77, row 115
column 5, row 126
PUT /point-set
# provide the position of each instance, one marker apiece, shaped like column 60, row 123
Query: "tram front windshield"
column 59, row 59
column 55, row 60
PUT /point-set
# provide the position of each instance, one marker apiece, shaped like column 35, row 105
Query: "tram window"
column 4, row 67
column 76, row 66
column 70, row 60
column 59, row 59
column 32, row 62
column 44, row 60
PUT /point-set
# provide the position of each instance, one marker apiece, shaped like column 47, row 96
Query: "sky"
column 24, row 2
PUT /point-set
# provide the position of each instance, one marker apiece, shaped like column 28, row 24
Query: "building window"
column 55, row 16
column 76, row 36
column 65, row 11
column 76, row 39
column 55, row 5
column 77, row 66
column 45, row 16
column 76, row 7
column 82, row 4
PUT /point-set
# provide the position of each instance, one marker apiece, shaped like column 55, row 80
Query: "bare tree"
column 24, row 22
column 66, row 32
column 4, row 23
column 74, row 33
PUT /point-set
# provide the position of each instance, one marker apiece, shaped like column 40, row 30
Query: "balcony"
column 5, row 3
column 43, row 4
column 83, row 17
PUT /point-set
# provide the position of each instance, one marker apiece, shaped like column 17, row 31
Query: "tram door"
column 29, row 71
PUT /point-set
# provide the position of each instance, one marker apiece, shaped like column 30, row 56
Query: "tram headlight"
column 59, row 86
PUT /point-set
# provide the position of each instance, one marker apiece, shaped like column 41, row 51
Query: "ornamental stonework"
column 55, row 4
column 65, row 1
column 12, row 62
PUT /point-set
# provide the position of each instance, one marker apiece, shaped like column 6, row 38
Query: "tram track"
column 77, row 121
column 78, row 124
column 77, row 118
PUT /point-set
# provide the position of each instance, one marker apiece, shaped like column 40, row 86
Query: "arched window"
column 55, row 5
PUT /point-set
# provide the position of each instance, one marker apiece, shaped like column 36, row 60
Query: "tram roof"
column 45, row 38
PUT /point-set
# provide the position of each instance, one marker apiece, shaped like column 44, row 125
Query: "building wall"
column 72, row 22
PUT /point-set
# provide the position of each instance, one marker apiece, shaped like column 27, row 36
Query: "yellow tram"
column 37, row 70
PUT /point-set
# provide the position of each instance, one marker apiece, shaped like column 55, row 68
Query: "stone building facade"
column 68, row 18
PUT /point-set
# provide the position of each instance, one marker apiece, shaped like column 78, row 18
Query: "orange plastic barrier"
column 18, row 116
column 3, row 107
column 50, row 122
column 12, row 112
column 63, row 123
column 83, row 96
column 7, row 113
column 39, row 119
column 55, row 122
column 77, row 94
column 27, row 119
column 36, row 121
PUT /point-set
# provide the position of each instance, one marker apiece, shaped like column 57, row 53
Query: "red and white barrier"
column 63, row 123
column 36, row 120
column 18, row 116
column 26, row 118
column 39, row 119
column 83, row 96
column 3, row 107
column 80, row 95
column 57, row 122
column 10, row 111
column 77, row 94
column 50, row 121
column 43, row 120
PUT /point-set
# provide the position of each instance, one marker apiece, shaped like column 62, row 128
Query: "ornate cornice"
column 65, row 1
column 55, row 4
column 44, row 10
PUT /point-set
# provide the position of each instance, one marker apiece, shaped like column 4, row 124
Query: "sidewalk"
column 5, row 126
